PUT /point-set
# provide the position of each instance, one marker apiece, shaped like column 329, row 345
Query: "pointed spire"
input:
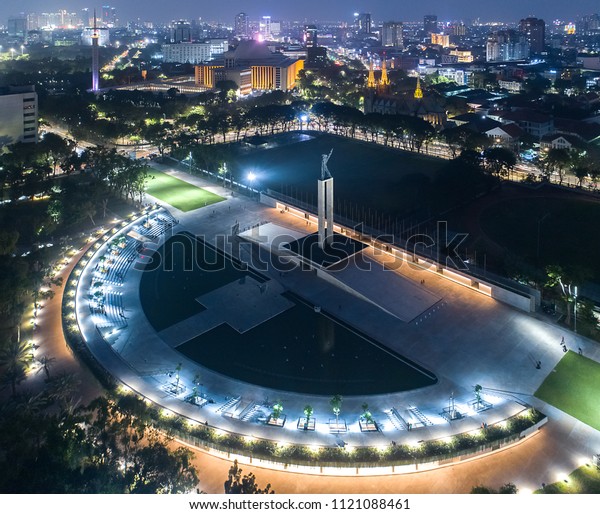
column 371, row 79
column 418, row 90
column 385, row 81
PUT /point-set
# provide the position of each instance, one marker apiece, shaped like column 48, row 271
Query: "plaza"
column 457, row 334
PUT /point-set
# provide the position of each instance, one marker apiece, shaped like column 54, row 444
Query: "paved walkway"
column 471, row 340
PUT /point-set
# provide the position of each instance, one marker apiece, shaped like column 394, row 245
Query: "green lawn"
column 584, row 480
column 178, row 193
column 573, row 387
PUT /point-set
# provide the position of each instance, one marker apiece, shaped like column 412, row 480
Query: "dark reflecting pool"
column 299, row 350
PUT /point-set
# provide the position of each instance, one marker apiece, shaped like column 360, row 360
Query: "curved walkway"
column 474, row 340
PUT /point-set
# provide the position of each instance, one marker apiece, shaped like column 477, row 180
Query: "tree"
column 308, row 412
column 336, row 406
column 15, row 357
column 559, row 160
column 277, row 410
column 558, row 277
column 499, row 160
column 238, row 484
column 46, row 363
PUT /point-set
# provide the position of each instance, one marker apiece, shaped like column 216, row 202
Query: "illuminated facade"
column 252, row 66
column 18, row 115
column 440, row 39
column 534, row 30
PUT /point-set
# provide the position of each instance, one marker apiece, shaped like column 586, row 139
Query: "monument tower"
column 95, row 60
column 325, row 203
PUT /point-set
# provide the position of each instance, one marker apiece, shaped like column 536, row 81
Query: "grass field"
column 573, row 387
column 178, row 193
column 565, row 228
column 584, row 480
column 367, row 176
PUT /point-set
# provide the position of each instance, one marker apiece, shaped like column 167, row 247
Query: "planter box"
column 279, row 422
column 303, row 425
column 337, row 427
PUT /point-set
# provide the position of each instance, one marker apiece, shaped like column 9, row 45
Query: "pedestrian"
column 562, row 341
column 580, row 351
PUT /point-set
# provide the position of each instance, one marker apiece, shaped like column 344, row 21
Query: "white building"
column 194, row 53
column 103, row 36
column 18, row 115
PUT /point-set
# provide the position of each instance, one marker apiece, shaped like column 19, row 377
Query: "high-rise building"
column 109, row 16
column 241, row 29
column 18, row 115
column 310, row 36
column 507, row 45
column 430, row 24
column 17, row 27
column 391, row 34
column 181, row 32
column 534, row 30
column 363, row 23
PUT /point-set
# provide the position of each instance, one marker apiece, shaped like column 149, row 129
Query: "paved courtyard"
column 463, row 337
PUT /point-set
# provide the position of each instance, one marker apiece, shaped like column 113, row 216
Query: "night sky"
column 219, row 10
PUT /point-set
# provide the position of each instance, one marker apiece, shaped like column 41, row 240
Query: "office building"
column 430, row 24
column 109, row 16
column 391, row 34
column 442, row 40
column 18, row 115
column 507, row 45
column 103, row 36
column 17, row 27
column 181, row 32
column 310, row 36
column 534, row 30
column 194, row 53
column 241, row 28
column 363, row 23
column 252, row 66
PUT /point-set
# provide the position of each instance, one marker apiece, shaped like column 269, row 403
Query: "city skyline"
column 154, row 10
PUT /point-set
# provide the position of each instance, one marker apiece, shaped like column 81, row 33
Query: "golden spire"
column 371, row 79
column 384, row 78
column 418, row 91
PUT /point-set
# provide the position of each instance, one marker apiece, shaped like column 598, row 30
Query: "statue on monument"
column 325, row 174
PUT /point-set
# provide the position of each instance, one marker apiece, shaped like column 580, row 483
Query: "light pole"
column 251, row 179
column 22, row 48
column 12, row 53
column 575, row 308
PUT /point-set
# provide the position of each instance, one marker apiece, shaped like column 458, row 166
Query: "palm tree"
column 46, row 362
column 177, row 377
column 15, row 357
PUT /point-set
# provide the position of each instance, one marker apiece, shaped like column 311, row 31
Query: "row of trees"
column 52, row 446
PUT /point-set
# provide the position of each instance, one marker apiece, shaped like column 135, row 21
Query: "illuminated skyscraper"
column 391, row 34
column 534, row 30
column 363, row 23
column 181, row 32
column 310, row 36
column 241, row 29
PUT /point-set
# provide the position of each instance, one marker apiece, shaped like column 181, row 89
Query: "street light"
column 22, row 48
column 12, row 53
column 575, row 308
